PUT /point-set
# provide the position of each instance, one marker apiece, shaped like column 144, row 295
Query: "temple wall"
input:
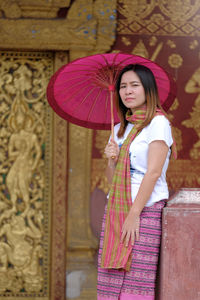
column 52, row 195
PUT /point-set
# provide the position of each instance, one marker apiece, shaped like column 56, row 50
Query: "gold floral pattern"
column 175, row 61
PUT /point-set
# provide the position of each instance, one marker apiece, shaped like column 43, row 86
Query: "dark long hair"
column 151, row 94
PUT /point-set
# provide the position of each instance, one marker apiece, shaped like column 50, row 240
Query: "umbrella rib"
column 72, row 95
column 82, row 65
column 94, row 103
column 107, row 60
column 79, row 104
column 121, row 63
column 118, row 67
column 98, row 63
column 89, row 75
column 115, row 74
column 83, row 79
column 79, row 70
column 98, row 76
column 61, row 83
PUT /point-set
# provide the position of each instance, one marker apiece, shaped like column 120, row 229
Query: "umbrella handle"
column 111, row 89
column 112, row 111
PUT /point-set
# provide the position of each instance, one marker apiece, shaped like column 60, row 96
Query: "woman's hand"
column 112, row 150
column 130, row 229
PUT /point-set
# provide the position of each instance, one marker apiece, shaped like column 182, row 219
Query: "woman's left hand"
column 130, row 229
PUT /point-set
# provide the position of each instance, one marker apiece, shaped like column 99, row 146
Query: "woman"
column 138, row 158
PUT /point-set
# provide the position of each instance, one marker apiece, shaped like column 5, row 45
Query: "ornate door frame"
column 88, row 29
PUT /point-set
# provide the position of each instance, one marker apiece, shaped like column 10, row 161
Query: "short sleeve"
column 160, row 129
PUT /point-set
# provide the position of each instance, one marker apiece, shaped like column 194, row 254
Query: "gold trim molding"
column 59, row 196
column 28, row 8
column 88, row 27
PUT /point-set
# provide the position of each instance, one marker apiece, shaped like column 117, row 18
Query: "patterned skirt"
column 139, row 282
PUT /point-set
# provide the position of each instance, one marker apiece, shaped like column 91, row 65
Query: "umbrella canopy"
column 81, row 92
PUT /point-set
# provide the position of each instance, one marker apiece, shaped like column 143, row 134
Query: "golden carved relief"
column 126, row 41
column 193, row 86
column 190, row 168
column 159, row 17
column 82, row 35
column 176, row 131
column 191, row 171
column 28, row 8
column 24, row 153
column 153, row 40
column 175, row 60
column 140, row 49
column 180, row 10
column 106, row 14
column 171, row 44
column 193, row 44
column 88, row 27
column 10, row 9
column 24, row 173
column 136, row 9
column 48, row 34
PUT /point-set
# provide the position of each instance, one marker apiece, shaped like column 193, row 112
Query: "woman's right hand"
column 112, row 151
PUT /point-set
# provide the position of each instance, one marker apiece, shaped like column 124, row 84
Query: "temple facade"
column 52, row 194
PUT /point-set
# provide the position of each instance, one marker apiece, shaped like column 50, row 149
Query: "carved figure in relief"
column 16, row 249
column 22, row 176
column 24, row 150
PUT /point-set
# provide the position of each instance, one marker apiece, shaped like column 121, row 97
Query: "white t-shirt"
column 158, row 129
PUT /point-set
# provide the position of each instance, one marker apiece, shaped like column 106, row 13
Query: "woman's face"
column 132, row 91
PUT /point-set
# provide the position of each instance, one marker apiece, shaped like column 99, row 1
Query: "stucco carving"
column 88, row 25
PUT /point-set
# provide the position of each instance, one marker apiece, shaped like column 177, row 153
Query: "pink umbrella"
column 82, row 91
